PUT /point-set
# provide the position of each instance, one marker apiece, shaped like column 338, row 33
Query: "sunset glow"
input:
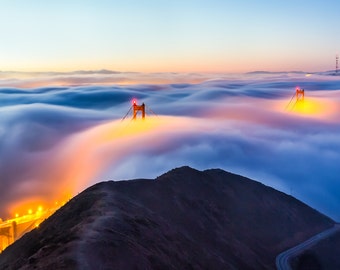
column 94, row 91
column 168, row 37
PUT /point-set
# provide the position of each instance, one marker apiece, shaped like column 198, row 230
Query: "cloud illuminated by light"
column 56, row 141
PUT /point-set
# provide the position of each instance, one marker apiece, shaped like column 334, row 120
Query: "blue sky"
column 179, row 36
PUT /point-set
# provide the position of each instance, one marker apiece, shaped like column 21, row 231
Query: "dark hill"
column 184, row 219
column 323, row 255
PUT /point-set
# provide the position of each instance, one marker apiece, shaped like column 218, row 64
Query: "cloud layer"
column 59, row 140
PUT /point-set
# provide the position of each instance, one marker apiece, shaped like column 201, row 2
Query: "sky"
column 58, row 139
column 69, row 70
column 169, row 36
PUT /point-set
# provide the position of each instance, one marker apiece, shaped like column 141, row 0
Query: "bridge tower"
column 297, row 98
column 135, row 109
column 299, row 94
column 138, row 108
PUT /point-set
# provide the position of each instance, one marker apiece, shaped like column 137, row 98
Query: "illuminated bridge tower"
column 297, row 98
column 300, row 94
column 138, row 108
column 135, row 109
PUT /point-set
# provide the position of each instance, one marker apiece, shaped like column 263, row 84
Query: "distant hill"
column 274, row 72
column 184, row 219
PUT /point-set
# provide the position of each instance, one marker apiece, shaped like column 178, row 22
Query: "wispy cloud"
column 56, row 140
column 97, row 77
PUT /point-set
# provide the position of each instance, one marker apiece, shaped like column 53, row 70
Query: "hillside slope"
column 323, row 255
column 184, row 219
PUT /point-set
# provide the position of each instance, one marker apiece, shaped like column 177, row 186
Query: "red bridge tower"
column 138, row 108
column 300, row 94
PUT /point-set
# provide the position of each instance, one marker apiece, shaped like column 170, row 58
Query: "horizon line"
column 110, row 71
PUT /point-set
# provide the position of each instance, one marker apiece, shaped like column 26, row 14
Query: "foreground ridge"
column 183, row 219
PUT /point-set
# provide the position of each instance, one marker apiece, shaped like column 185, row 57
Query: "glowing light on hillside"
column 20, row 224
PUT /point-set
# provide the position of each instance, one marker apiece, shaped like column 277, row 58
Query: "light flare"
column 81, row 157
column 318, row 107
column 85, row 155
column 313, row 107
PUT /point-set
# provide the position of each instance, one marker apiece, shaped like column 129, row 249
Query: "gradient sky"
column 169, row 36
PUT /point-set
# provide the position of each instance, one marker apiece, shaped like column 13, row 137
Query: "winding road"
column 282, row 260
